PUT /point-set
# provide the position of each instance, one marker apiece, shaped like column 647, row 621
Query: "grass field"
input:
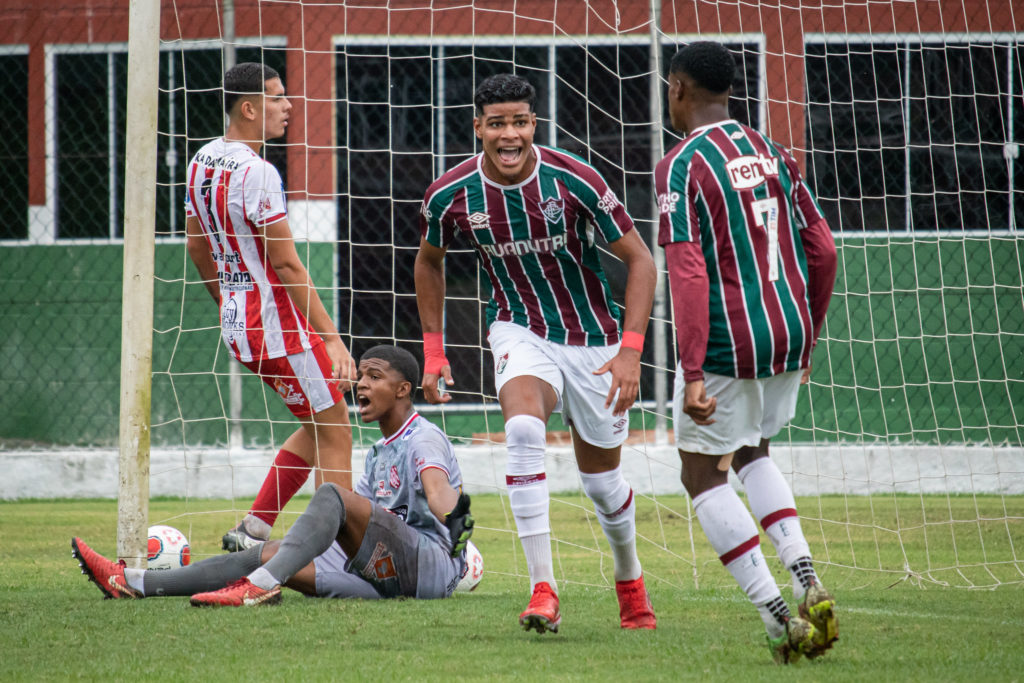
column 54, row 624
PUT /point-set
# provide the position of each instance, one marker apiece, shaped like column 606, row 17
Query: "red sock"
column 287, row 475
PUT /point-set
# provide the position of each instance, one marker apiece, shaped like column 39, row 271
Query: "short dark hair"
column 400, row 360
column 245, row 79
column 708, row 63
column 501, row 88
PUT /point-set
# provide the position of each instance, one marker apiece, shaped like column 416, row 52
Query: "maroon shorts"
column 304, row 381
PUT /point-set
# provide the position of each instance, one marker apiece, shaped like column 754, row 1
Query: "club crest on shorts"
column 288, row 393
column 381, row 565
column 502, row 362
column 552, row 208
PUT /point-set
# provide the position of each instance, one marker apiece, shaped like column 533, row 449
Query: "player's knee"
column 329, row 498
column 526, row 439
column 608, row 490
column 745, row 455
column 697, row 479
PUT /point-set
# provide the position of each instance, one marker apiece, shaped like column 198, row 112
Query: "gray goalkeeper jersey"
column 391, row 477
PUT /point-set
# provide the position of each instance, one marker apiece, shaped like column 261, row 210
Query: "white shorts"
column 748, row 410
column 570, row 371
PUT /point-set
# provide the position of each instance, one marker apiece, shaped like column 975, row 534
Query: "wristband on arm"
column 632, row 340
column 433, row 353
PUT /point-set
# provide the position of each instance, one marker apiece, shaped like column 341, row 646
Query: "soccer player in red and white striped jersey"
column 531, row 212
column 751, row 265
column 272, row 319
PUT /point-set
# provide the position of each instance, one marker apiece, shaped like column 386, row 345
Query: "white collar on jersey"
column 533, row 174
column 707, row 126
column 389, row 439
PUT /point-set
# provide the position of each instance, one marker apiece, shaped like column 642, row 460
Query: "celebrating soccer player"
column 402, row 533
column 751, row 265
column 272, row 319
column 531, row 212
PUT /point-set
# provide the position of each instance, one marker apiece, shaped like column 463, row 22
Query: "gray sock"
column 205, row 575
column 311, row 535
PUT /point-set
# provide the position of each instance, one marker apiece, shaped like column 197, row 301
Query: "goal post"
column 137, row 284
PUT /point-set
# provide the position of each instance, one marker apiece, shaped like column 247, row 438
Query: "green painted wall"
column 924, row 343
column 60, row 333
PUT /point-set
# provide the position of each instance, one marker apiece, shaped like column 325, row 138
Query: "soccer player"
column 531, row 212
column 272, row 319
column 403, row 532
column 751, row 266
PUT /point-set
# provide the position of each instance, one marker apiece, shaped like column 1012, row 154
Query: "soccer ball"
column 167, row 548
column 474, row 569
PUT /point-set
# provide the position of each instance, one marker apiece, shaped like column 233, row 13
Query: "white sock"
column 538, row 560
column 771, row 501
column 256, row 527
column 133, row 577
column 772, row 614
column 526, row 440
column 733, row 534
column 261, row 578
column 616, row 511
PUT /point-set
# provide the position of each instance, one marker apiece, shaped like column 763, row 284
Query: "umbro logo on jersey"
column 749, row 171
column 478, row 220
column 552, row 209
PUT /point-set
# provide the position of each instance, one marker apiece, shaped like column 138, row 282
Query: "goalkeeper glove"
column 460, row 524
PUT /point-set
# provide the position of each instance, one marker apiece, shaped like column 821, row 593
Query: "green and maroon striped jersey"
column 536, row 243
column 741, row 197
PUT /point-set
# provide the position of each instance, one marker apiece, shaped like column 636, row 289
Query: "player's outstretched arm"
column 449, row 506
column 429, row 276
column 293, row 274
column 640, row 283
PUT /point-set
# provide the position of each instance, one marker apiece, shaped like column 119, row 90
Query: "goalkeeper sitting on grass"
column 403, row 532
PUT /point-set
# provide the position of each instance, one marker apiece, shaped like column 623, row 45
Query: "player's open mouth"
column 363, row 401
column 509, row 155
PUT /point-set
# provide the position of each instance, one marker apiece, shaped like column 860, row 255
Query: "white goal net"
column 907, row 451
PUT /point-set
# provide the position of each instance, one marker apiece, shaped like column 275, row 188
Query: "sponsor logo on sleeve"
column 608, row 202
column 667, row 202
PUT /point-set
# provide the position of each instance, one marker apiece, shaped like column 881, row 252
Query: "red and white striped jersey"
column 236, row 194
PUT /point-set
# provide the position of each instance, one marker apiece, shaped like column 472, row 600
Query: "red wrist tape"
column 433, row 353
column 632, row 340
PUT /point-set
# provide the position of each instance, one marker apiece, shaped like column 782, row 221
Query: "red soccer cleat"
column 109, row 576
column 241, row 593
column 542, row 612
column 635, row 609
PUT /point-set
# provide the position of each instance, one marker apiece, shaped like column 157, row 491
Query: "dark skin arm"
column 640, row 283
column 429, row 277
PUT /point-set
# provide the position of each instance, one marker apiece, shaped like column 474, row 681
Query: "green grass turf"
column 54, row 624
